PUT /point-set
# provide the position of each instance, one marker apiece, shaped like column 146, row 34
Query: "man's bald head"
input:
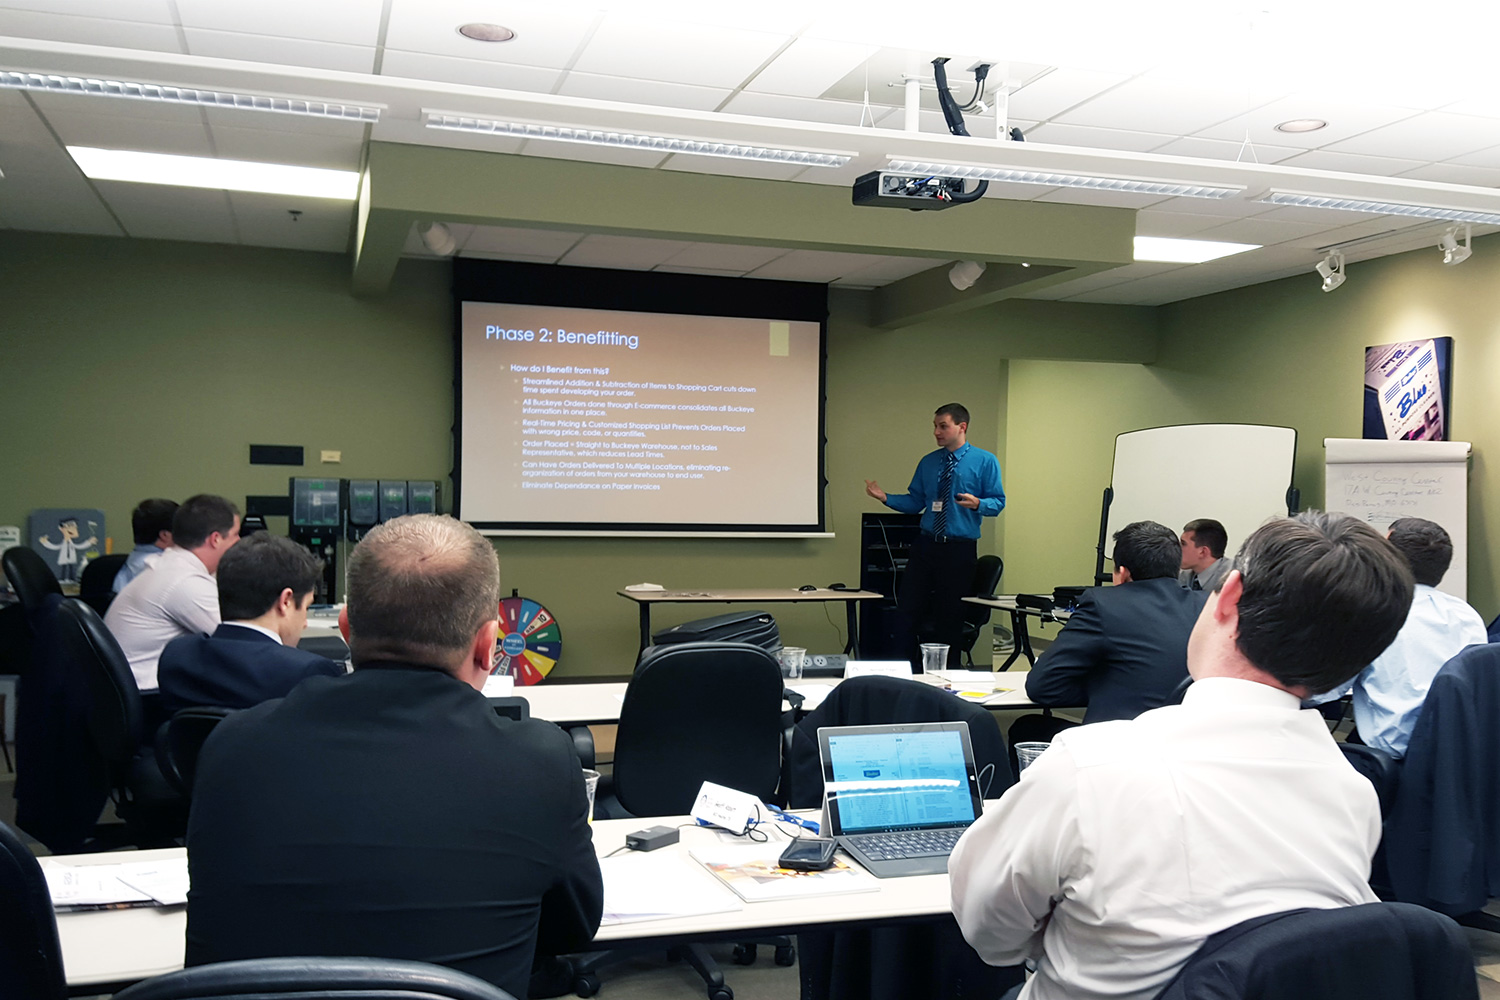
column 420, row 589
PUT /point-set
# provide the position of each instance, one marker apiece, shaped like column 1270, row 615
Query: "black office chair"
column 1378, row 951
column 987, row 572
column 179, row 741
column 31, row 964
column 30, row 577
column 154, row 813
column 95, row 587
column 516, row 708
column 694, row 712
column 309, row 978
column 891, row 963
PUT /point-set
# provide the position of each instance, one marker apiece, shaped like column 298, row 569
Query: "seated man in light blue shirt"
column 1388, row 694
column 151, row 524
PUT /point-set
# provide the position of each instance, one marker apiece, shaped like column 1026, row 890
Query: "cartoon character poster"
column 1409, row 390
column 67, row 538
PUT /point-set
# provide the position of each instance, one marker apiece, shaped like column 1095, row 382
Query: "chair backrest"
column 987, row 572
column 868, row 701
column 696, row 712
column 181, row 739
column 95, row 587
column 1344, row 953
column 31, row 963
column 116, row 718
column 309, row 978
column 30, row 575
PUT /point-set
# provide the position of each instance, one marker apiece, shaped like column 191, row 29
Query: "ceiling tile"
column 155, row 211
column 1458, row 173
column 126, row 34
column 809, row 67
column 43, row 189
column 593, row 154
column 187, row 138
column 1433, row 135
column 1151, row 222
column 264, row 220
column 280, row 51
column 1163, row 103
column 725, row 256
column 470, row 72
column 269, row 146
column 547, row 35
column 806, row 109
column 1060, row 90
column 1355, row 228
column 1344, row 119
column 633, row 253
column 1225, row 149
column 1115, row 276
column 1262, row 231
column 1351, row 163
column 1479, row 158
column 652, row 92
column 352, row 22
column 153, row 11
column 1097, row 138
column 812, row 265
column 548, row 243
column 724, row 166
column 676, row 52
column 884, row 270
column 1317, row 216
column 1228, row 208
column 1106, row 199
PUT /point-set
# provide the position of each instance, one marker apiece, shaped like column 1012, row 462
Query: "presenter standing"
column 953, row 488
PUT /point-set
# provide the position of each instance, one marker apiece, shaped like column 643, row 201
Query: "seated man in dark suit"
column 1125, row 649
column 390, row 812
column 265, row 588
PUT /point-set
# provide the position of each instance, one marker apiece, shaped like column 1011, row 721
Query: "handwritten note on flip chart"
column 1381, row 481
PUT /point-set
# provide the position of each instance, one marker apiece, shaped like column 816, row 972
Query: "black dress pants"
column 929, row 606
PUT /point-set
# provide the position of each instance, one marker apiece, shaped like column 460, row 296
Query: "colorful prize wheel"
column 530, row 640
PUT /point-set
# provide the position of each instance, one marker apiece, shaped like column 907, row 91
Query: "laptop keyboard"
column 907, row 844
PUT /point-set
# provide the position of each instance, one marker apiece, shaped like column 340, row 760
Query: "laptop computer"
column 897, row 797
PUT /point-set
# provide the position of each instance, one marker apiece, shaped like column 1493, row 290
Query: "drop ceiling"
column 1167, row 80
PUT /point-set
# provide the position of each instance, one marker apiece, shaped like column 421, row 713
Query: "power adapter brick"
column 651, row 838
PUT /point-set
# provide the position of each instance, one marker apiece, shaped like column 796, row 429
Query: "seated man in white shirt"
column 1126, row 844
column 1388, row 694
column 177, row 595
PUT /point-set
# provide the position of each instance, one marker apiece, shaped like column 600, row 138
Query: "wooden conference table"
column 768, row 595
column 1018, row 615
column 104, row 950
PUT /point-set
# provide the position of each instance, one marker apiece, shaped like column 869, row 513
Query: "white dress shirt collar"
column 1236, row 692
column 258, row 628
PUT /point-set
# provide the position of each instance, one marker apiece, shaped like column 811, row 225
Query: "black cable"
column 980, row 72
column 617, row 850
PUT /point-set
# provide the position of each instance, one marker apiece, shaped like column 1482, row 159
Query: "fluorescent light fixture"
column 1382, row 207
column 1159, row 248
column 631, row 140
column 14, row 80
column 218, row 175
column 1014, row 176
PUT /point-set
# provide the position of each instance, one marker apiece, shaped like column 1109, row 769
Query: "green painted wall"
column 140, row 368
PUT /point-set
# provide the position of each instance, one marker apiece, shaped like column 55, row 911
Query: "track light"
column 1332, row 270
column 1453, row 251
column 438, row 238
column 964, row 273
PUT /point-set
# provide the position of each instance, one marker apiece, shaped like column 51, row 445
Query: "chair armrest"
column 583, row 745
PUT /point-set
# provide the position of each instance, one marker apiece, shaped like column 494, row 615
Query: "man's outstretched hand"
column 873, row 488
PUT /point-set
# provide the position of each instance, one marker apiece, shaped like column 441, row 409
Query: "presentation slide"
column 590, row 418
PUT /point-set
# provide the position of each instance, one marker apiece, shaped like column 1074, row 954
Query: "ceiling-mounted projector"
column 887, row 189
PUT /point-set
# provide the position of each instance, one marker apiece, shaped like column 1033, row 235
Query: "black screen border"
column 516, row 283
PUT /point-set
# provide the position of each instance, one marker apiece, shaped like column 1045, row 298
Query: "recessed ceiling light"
column 1302, row 125
column 481, row 32
column 1168, row 251
column 217, row 175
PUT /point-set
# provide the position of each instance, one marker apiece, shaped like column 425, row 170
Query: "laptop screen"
column 899, row 777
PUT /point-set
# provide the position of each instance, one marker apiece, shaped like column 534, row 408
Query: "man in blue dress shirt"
column 1388, row 694
column 151, row 526
column 953, row 488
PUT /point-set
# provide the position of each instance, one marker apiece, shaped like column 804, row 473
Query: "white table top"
column 112, row 946
column 764, row 595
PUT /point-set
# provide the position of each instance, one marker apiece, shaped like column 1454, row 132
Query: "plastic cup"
column 934, row 656
column 1028, row 752
column 792, row 659
column 591, row 783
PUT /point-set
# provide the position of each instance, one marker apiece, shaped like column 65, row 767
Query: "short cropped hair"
column 1324, row 594
column 200, row 516
column 1426, row 546
column 150, row 518
column 1149, row 550
column 257, row 569
column 957, row 412
column 419, row 589
column 1207, row 531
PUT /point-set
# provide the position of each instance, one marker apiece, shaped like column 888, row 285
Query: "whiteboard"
column 1380, row 481
column 1237, row 474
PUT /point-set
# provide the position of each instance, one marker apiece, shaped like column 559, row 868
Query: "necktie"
column 945, row 494
column 1196, row 585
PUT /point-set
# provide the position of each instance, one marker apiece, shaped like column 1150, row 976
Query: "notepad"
column 653, row 887
column 136, row 883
